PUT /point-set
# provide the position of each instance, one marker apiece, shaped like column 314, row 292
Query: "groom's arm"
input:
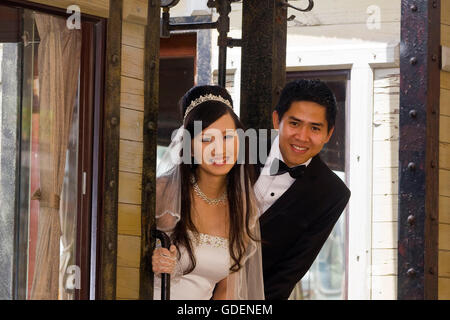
column 281, row 279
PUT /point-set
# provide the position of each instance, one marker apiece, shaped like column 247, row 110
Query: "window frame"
column 90, row 157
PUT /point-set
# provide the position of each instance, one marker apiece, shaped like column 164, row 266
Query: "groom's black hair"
column 308, row 90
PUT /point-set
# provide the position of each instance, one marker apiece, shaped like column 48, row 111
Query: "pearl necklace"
column 203, row 196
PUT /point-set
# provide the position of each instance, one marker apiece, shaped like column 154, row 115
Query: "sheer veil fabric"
column 245, row 284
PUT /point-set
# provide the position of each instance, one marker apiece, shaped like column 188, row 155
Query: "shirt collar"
column 276, row 153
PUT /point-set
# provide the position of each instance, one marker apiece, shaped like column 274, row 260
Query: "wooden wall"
column 444, row 165
column 385, row 183
column 98, row 8
column 131, row 148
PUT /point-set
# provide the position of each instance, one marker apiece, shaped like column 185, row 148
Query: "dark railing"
column 165, row 277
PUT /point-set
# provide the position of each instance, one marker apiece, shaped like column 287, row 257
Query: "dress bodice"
column 212, row 265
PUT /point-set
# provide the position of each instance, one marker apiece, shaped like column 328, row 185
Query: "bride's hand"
column 163, row 260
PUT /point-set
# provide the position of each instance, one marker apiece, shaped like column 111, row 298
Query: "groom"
column 301, row 197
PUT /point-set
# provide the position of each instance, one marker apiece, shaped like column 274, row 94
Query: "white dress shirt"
column 269, row 188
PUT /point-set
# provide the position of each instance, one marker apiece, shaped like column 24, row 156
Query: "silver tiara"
column 207, row 97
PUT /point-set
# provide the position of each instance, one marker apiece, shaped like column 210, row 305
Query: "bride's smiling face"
column 216, row 147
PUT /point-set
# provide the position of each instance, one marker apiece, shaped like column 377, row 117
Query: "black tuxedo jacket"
column 295, row 227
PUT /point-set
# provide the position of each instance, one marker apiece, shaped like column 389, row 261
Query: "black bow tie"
column 279, row 167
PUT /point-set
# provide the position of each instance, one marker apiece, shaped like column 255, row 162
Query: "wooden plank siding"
column 444, row 165
column 131, row 149
column 99, row 8
column 385, row 183
column 337, row 22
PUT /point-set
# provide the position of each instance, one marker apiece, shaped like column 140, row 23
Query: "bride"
column 205, row 202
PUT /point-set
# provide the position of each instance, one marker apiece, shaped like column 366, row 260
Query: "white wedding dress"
column 212, row 265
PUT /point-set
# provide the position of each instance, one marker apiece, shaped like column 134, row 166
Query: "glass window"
column 49, row 157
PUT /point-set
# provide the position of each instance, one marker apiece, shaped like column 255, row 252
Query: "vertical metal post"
column 222, row 66
column 263, row 71
column 151, row 103
column 111, row 138
column 419, row 150
column 223, row 26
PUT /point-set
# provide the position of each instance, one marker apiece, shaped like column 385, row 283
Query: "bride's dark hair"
column 239, row 215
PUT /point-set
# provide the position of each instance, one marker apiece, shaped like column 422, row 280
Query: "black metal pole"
column 165, row 277
column 193, row 26
column 263, row 67
column 222, row 66
column 223, row 26
column 150, row 130
column 419, row 150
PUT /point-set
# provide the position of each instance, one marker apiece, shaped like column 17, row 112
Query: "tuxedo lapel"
column 289, row 199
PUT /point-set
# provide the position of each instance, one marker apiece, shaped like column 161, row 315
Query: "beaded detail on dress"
column 207, row 239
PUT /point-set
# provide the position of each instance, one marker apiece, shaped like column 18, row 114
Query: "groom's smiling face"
column 303, row 131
